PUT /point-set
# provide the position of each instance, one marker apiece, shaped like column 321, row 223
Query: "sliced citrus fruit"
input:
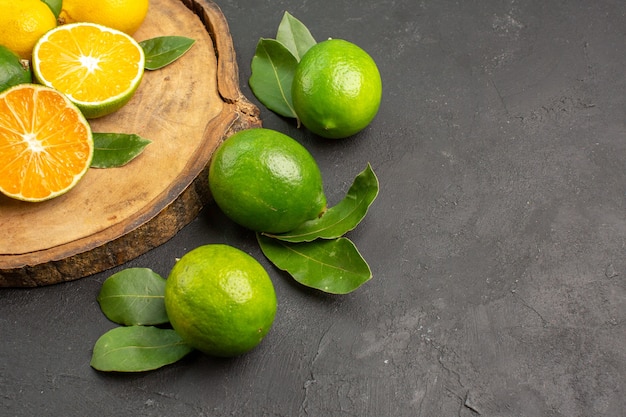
column 97, row 67
column 22, row 23
column 46, row 144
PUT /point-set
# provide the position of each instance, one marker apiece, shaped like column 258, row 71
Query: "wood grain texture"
column 114, row 215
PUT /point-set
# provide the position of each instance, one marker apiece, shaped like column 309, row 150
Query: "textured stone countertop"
column 497, row 242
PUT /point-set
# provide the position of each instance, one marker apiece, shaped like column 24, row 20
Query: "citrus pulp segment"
column 220, row 300
column 97, row 67
column 46, row 145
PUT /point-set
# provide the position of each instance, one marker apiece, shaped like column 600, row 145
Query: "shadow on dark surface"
column 496, row 243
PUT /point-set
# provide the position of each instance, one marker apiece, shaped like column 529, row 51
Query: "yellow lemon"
column 22, row 23
column 123, row 15
column 97, row 67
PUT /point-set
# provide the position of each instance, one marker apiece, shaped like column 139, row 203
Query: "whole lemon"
column 107, row 73
column 123, row 15
column 220, row 300
column 22, row 23
column 336, row 89
column 266, row 181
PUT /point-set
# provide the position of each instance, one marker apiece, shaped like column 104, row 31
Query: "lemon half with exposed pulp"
column 46, row 145
column 97, row 67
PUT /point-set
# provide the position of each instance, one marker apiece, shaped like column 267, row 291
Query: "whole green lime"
column 337, row 89
column 12, row 72
column 266, row 181
column 220, row 300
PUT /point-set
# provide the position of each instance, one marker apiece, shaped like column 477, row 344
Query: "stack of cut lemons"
column 86, row 64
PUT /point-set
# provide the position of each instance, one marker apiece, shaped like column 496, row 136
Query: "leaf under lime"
column 273, row 67
column 294, row 35
column 333, row 266
column 341, row 218
column 134, row 296
column 137, row 349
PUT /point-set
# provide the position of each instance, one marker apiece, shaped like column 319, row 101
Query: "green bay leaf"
column 137, row 349
column 134, row 296
column 295, row 36
column 273, row 68
column 113, row 150
column 334, row 266
column 55, row 6
column 341, row 218
column 163, row 50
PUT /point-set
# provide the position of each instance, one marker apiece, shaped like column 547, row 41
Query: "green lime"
column 336, row 89
column 220, row 300
column 266, row 181
column 12, row 72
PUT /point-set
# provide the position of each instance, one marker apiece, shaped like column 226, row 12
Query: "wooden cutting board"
column 114, row 215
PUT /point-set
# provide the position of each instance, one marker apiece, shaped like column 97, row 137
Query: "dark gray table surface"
column 497, row 242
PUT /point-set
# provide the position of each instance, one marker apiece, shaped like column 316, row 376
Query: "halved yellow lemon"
column 46, row 145
column 98, row 68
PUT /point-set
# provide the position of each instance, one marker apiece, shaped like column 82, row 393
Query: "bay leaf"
column 163, row 50
column 134, row 296
column 55, row 6
column 295, row 36
column 341, row 218
column 137, row 349
column 113, row 150
column 334, row 266
column 273, row 68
